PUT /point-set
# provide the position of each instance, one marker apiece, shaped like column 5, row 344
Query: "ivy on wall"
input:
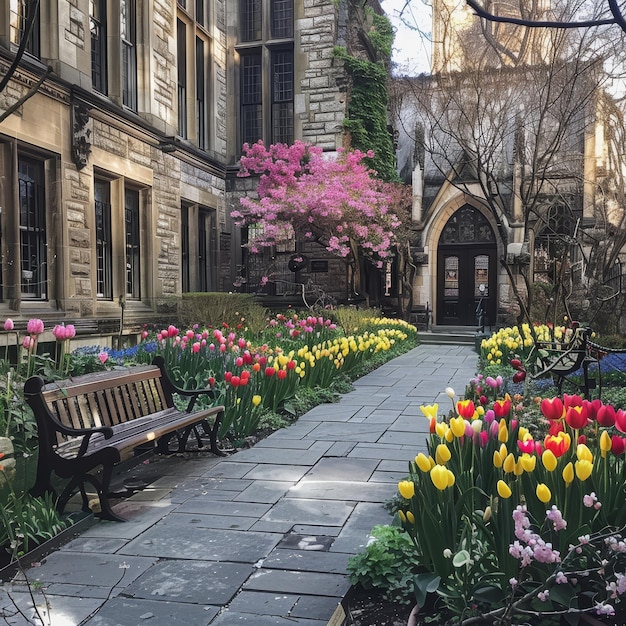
column 367, row 110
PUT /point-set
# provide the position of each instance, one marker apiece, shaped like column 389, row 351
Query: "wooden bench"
column 98, row 420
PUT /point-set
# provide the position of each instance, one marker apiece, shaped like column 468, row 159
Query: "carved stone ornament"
column 82, row 129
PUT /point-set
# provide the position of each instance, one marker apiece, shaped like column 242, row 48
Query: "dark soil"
column 368, row 608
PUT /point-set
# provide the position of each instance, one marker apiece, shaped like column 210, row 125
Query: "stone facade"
column 83, row 147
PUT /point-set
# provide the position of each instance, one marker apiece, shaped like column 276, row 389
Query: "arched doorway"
column 466, row 269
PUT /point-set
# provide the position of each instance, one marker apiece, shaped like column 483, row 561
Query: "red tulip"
column 576, row 417
column 605, row 415
column 558, row 444
column 593, row 407
column 552, row 408
column 269, row 371
column 291, row 364
column 483, row 400
column 516, row 364
column 282, row 374
column 574, row 400
column 502, row 407
column 519, row 376
column 556, row 428
column 465, row 408
column 235, row 380
column 228, row 376
column 620, row 420
column 618, row 444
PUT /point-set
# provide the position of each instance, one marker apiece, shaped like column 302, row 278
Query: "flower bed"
column 511, row 528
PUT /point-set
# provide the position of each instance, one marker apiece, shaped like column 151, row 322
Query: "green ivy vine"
column 367, row 110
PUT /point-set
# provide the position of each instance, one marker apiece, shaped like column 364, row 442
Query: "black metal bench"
column 98, row 420
column 562, row 359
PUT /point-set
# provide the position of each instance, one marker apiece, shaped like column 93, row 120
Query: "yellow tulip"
column 518, row 470
column 439, row 476
column 440, row 429
column 504, row 491
column 406, row 489
column 605, row 443
column 256, row 400
column 442, row 454
column 430, row 410
column 521, row 433
column 451, row 478
column 584, row 453
column 583, row 469
column 508, row 465
column 497, row 459
column 449, row 435
column 487, row 514
column 568, row 473
column 503, row 433
column 422, row 461
column 528, row 462
column 543, row 493
column 410, row 517
column 549, row 460
column 457, row 425
column 402, row 516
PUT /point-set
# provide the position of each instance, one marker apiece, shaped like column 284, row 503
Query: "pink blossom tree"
column 337, row 203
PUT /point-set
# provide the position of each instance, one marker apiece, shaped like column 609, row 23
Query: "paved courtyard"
column 263, row 536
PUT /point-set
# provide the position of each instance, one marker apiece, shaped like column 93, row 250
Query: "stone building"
column 121, row 123
column 508, row 148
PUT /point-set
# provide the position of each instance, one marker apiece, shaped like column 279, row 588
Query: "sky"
column 411, row 52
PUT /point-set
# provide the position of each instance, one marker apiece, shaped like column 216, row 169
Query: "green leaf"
column 425, row 583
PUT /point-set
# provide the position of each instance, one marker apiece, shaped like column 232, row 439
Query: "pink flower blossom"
column 34, row 327
column 8, row 324
column 104, row 357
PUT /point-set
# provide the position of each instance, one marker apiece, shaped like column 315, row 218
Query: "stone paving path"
column 261, row 537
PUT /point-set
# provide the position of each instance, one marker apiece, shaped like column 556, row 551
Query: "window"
column 184, row 248
column 201, row 101
column 97, row 25
column 181, row 43
column 32, row 228
column 193, row 50
column 21, row 18
column 266, row 71
column 251, row 99
column 104, row 244
column 199, row 248
column 133, row 234
column 129, row 53
column 282, row 96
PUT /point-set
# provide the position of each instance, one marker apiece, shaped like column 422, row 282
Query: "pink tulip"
column 34, row 327
column 28, row 343
column 8, row 324
column 104, row 357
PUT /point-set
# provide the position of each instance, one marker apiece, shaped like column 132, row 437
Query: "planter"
column 361, row 607
column 82, row 521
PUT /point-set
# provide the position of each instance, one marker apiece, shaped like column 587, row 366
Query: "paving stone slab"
column 388, row 452
column 315, row 606
column 229, row 469
column 268, row 491
column 208, row 520
column 263, row 603
column 379, row 416
column 55, row 610
column 268, row 471
column 175, row 540
column 308, row 511
column 101, row 545
column 92, row 570
column 223, row 507
column 341, row 468
column 126, row 611
column 279, row 443
column 139, row 516
column 322, row 412
column 392, row 478
column 307, row 561
column 233, row 618
column 267, row 526
column 292, row 581
column 326, row 531
column 340, row 449
column 341, row 490
column 284, row 456
column 350, row 431
column 194, row 582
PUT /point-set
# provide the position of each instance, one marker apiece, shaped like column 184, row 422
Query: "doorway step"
column 458, row 335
